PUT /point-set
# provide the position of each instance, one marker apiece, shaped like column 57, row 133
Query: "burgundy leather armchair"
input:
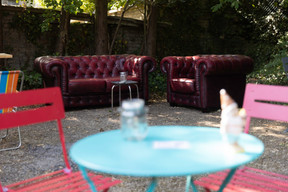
column 196, row 80
column 86, row 80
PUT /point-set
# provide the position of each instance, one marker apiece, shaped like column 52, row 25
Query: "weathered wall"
column 198, row 31
column 130, row 39
column 15, row 43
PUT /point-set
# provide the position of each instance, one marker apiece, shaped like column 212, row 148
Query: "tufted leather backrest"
column 181, row 67
column 95, row 66
column 224, row 64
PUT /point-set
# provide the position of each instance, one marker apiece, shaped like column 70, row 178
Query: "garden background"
column 183, row 27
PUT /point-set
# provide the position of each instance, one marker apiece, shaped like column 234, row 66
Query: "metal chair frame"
column 39, row 106
column 7, row 86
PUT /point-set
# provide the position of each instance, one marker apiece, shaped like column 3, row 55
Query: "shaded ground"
column 40, row 150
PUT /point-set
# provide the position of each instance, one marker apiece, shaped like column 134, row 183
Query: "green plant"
column 120, row 46
column 157, row 82
column 29, row 23
column 32, row 80
column 272, row 72
column 77, row 44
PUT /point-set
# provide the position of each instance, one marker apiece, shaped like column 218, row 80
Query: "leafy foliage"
column 268, row 38
column 272, row 71
column 157, row 81
column 28, row 23
column 88, row 6
column 77, row 44
column 32, row 80
column 254, row 28
column 70, row 6
column 234, row 4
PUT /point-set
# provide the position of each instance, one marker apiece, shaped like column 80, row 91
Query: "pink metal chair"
column 264, row 102
column 38, row 106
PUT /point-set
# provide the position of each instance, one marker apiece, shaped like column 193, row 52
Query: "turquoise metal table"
column 166, row 151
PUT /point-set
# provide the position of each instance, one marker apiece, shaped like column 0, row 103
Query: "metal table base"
column 119, row 84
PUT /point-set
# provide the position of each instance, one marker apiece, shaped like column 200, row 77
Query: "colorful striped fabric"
column 8, row 84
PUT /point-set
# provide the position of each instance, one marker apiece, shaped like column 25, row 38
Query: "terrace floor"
column 40, row 152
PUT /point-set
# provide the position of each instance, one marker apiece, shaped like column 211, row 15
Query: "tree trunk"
column 144, row 47
column 62, row 48
column 151, row 31
column 101, row 30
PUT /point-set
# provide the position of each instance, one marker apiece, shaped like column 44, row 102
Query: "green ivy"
column 29, row 23
column 157, row 80
column 120, row 46
column 272, row 71
column 32, row 80
column 81, row 44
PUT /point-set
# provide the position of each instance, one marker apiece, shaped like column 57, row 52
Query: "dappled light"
column 72, row 119
column 269, row 128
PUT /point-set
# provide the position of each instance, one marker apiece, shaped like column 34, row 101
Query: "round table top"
column 166, row 151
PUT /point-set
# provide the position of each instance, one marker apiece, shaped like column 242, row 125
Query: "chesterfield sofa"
column 86, row 80
column 195, row 81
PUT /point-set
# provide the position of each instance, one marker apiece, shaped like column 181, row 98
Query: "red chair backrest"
column 34, row 106
column 49, row 101
column 265, row 102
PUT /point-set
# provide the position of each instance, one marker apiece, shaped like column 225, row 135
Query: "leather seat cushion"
column 183, row 85
column 84, row 86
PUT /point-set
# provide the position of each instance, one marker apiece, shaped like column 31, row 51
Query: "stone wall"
column 15, row 43
column 24, row 52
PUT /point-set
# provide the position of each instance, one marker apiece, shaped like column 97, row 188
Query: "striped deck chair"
column 8, row 84
column 40, row 106
column 264, row 102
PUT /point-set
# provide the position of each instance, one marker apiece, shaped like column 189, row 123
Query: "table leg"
column 86, row 177
column 119, row 95
column 227, row 179
column 152, row 185
column 137, row 90
column 129, row 87
column 190, row 182
column 112, row 89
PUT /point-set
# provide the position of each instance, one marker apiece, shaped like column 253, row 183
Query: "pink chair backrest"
column 265, row 102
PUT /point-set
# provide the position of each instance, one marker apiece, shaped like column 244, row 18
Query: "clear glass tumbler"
column 133, row 119
column 123, row 76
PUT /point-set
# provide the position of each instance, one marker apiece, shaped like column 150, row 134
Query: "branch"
column 118, row 26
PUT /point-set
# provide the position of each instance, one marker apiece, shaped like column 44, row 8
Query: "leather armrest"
column 139, row 64
column 53, row 68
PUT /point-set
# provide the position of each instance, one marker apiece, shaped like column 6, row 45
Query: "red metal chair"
column 264, row 102
column 38, row 106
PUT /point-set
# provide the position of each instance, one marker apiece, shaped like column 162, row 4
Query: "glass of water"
column 133, row 119
column 123, row 76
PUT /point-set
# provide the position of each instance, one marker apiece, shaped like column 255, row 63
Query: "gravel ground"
column 40, row 150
